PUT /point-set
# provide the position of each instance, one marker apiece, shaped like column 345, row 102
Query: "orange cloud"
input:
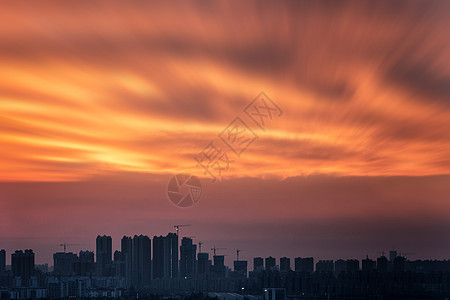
column 87, row 89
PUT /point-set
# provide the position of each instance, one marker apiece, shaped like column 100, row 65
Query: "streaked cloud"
column 92, row 88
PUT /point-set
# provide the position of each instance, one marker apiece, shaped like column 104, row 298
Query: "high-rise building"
column 141, row 261
column 118, row 256
column 285, row 264
column 382, row 264
column 188, row 253
column 104, row 255
column 2, row 260
column 340, row 266
column 258, row 264
column 165, row 256
column 126, row 249
column 240, row 268
column 352, row 265
column 22, row 264
column 298, row 264
column 270, row 263
column 158, row 257
column 219, row 265
column 325, row 266
column 43, row 268
column 119, row 264
column 64, row 263
column 171, row 254
column 307, row 264
column 399, row 264
column 392, row 255
column 368, row 264
column 203, row 263
column 84, row 265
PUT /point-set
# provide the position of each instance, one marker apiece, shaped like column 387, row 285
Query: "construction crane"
column 200, row 243
column 237, row 254
column 180, row 225
column 66, row 244
column 214, row 249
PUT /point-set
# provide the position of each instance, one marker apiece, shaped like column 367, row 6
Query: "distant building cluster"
column 161, row 266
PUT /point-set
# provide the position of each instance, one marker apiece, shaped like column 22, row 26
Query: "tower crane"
column 214, row 249
column 180, row 225
column 66, row 244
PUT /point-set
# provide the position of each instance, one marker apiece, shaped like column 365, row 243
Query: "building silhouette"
column 84, row 264
column 258, row 264
column 348, row 266
column 298, row 264
column 399, row 264
column 119, row 264
column 240, row 268
column 2, row 260
column 368, row 265
column 126, row 245
column 158, row 257
column 22, row 264
column 64, row 263
column 352, row 265
column 340, row 266
column 203, row 263
column 326, row 266
column 270, row 263
column 171, row 254
column 165, row 256
column 304, row 264
column 75, row 277
column 219, row 265
column 188, row 252
column 392, row 255
column 141, row 261
column 103, row 255
column 382, row 264
column 285, row 264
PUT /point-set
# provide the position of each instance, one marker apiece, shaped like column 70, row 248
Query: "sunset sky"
column 102, row 103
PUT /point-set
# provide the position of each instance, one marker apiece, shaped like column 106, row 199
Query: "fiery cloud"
column 86, row 89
